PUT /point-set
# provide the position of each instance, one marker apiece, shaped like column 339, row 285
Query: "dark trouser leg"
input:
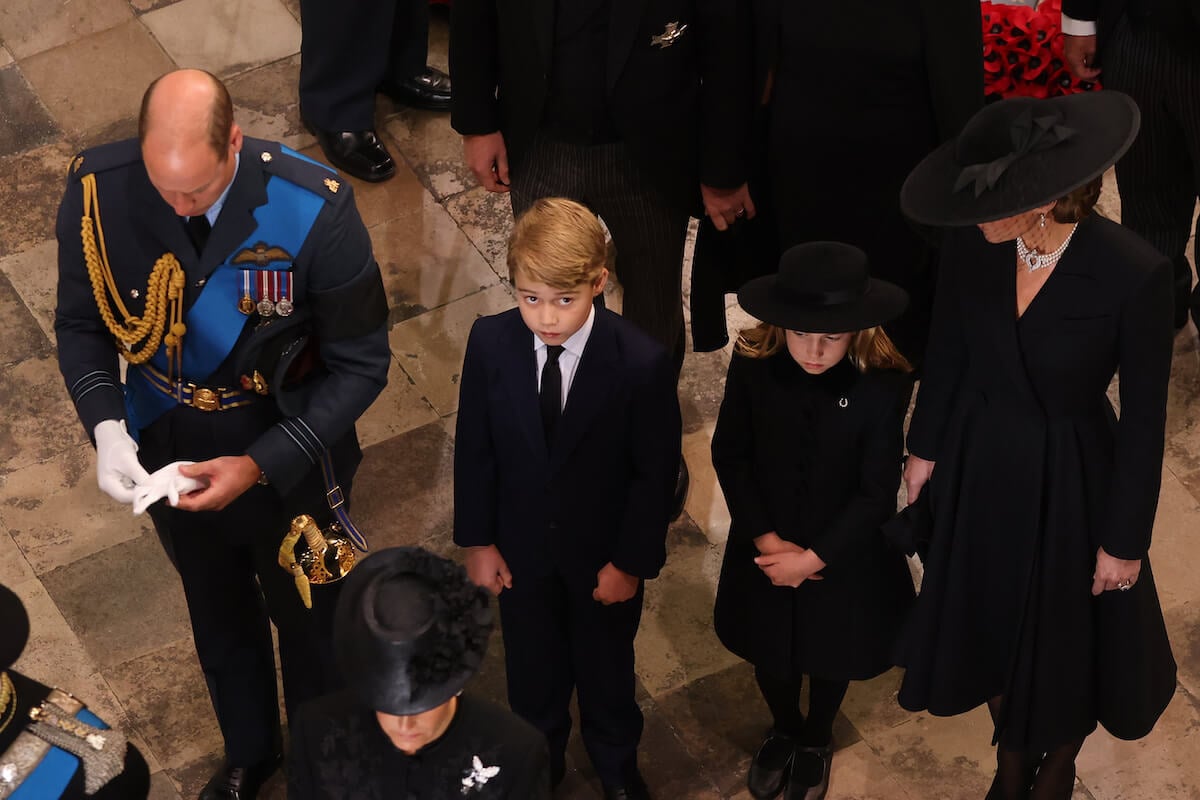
column 410, row 39
column 344, row 53
column 1159, row 177
column 537, row 658
column 782, row 695
column 824, row 699
column 610, row 720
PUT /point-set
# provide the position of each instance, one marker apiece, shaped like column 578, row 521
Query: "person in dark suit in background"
column 850, row 95
column 349, row 52
column 1150, row 50
column 1038, row 598
column 565, row 456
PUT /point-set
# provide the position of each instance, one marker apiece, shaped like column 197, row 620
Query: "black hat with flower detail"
column 1018, row 154
column 410, row 630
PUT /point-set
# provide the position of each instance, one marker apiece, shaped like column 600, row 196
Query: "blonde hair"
column 870, row 348
column 557, row 242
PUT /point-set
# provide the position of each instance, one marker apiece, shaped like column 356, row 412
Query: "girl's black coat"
column 817, row 460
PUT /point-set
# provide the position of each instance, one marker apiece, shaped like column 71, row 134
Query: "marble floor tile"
column 266, row 104
column 947, row 758
column 124, row 601
column 57, row 514
column 433, row 149
column 31, row 186
column 705, row 501
column 80, row 107
column 676, row 644
column 857, row 773
column 20, row 335
column 24, row 121
column 701, row 387
column 379, row 202
column 426, row 260
column 225, row 37
column 671, row 771
column 403, row 493
column 399, row 408
column 167, row 701
column 5, row 57
column 39, row 420
column 14, row 567
column 872, row 707
column 486, row 218
column 33, row 274
column 32, row 27
column 1162, row 766
column 430, row 347
column 1183, row 630
column 1173, row 542
column 162, row 787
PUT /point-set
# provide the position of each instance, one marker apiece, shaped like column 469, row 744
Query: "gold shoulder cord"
column 164, row 289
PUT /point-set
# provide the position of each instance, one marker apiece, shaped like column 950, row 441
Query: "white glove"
column 117, row 468
column 166, row 482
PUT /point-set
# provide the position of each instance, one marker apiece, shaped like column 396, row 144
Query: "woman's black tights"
column 1024, row 775
column 782, row 693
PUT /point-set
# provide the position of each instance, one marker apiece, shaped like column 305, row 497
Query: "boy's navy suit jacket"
column 603, row 491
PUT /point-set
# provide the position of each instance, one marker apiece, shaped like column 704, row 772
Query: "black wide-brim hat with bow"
column 410, row 630
column 14, row 628
column 1017, row 154
column 822, row 287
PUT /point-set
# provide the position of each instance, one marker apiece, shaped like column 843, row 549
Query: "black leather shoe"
column 809, row 777
column 682, row 482
column 429, row 90
column 635, row 789
column 357, row 153
column 770, row 767
column 239, row 783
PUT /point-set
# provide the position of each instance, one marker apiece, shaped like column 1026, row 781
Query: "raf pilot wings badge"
column 669, row 36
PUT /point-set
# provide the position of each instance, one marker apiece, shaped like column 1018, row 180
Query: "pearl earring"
column 1041, row 220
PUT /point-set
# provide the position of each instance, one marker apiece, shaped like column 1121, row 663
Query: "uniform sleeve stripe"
column 298, row 443
column 85, row 392
column 90, row 381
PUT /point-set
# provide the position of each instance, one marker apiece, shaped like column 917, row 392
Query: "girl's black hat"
column 823, row 287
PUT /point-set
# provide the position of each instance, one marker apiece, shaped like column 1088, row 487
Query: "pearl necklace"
column 1034, row 260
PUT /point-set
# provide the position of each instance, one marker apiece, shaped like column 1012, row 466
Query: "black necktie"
column 550, row 394
column 198, row 229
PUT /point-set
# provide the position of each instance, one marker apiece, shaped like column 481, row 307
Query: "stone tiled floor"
column 109, row 620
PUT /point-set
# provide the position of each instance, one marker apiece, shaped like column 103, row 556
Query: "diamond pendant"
column 1033, row 261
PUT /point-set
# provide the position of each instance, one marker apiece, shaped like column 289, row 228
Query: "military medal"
column 283, row 306
column 246, row 304
column 265, row 307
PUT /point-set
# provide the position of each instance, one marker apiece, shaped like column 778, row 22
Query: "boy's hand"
column 487, row 568
column 771, row 543
column 614, row 586
column 791, row 568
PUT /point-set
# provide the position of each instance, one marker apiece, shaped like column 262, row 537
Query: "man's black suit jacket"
column 683, row 111
column 603, row 491
column 1105, row 14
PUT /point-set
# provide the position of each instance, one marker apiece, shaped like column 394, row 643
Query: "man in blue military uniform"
column 238, row 281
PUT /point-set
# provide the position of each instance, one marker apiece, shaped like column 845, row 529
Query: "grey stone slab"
column 225, row 37
column 24, row 121
column 20, row 335
column 267, row 106
column 32, row 26
column 31, row 186
column 39, row 420
column 33, row 274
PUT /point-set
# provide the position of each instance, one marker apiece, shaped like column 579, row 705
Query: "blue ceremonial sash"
column 52, row 774
column 214, row 323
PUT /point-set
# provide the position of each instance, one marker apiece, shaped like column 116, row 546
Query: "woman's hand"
column 1114, row 573
column 917, row 472
column 791, row 568
column 770, row 543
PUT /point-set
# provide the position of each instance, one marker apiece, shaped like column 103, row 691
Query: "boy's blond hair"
column 557, row 242
column 870, row 348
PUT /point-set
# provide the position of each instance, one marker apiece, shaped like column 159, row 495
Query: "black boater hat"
column 822, row 287
column 410, row 630
column 1018, row 154
column 14, row 628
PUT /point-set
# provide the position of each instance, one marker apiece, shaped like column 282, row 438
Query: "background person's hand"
column 487, row 568
column 223, row 480
column 1080, row 54
column 1114, row 573
column 917, row 472
column 487, row 157
column 726, row 206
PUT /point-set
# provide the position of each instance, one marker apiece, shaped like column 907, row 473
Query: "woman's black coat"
column 815, row 459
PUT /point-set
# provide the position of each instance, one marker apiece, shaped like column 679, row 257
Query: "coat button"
column 553, row 526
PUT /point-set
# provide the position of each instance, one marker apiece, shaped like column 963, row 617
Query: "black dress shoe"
column 357, row 153
column 682, row 482
column 770, row 767
column 809, row 777
column 429, row 89
column 634, row 789
column 239, row 783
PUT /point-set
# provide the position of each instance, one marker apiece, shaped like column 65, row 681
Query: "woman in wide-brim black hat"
column 1037, row 597
column 807, row 448
column 51, row 746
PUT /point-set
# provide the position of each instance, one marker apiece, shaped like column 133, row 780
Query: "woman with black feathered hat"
column 51, row 745
column 807, row 448
column 410, row 631
column 1038, row 598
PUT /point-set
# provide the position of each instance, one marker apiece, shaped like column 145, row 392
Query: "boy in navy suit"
column 564, row 470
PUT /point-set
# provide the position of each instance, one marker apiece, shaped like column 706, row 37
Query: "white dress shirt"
column 568, row 359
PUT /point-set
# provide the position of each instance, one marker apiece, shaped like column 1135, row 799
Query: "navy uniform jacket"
column 335, row 278
column 603, row 491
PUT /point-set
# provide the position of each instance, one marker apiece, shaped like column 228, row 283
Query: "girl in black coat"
column 807, row 449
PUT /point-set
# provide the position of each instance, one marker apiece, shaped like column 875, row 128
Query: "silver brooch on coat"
column 478, row 775
column 843, row 402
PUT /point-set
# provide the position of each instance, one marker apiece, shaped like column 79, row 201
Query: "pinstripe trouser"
column 648, row 231
column 1159, row 178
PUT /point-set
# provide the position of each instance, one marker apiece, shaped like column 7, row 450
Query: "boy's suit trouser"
column 558, row 639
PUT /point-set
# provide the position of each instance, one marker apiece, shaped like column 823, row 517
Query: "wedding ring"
column 1125, row 587
column 741, row 212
